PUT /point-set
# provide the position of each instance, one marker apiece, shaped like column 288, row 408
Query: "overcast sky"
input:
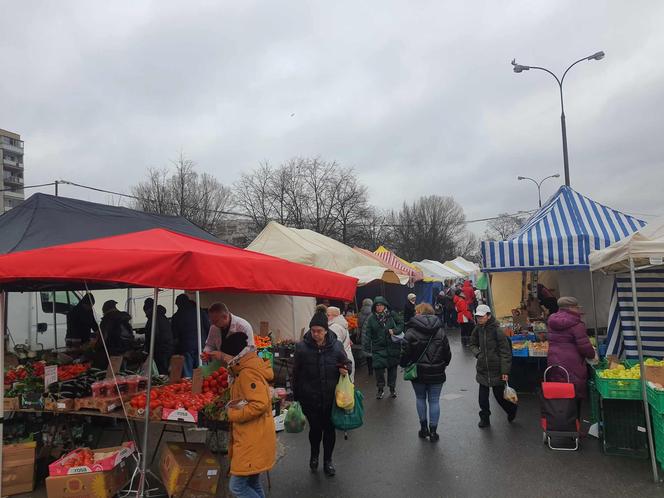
column 418, row 97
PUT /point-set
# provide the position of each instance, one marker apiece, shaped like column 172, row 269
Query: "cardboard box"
column 114, row 456
column 179, row 461
column 655, row 374
column 10, row 404
column 90, row 485
column 18, row 468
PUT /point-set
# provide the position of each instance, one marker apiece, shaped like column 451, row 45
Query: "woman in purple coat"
column 569, row 346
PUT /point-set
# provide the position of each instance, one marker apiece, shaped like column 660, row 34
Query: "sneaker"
column 329, row 469
column 434, row 437
column 484, row 422
column 380, row 394
column 393, row 394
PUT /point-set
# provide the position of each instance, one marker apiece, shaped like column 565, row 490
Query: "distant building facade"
column 11, row 160
column 237, row 232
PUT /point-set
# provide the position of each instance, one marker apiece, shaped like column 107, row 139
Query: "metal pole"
column 198, row 325
column 55, row 322
column 592, row 292
column 146, row 418
column 563, row 127
column 56, row 188
column 490, row 294
column 644, row 390
column 3, row 328
column 539, row 193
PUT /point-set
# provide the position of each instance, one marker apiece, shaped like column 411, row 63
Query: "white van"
column 32, row 322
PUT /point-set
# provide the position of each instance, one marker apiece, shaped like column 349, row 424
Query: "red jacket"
column 469, row 292
column 462, row 309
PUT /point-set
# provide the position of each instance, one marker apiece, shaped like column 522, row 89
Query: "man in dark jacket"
column 494, row 362
column 319, row 360
column 184, row 325
column 163, row 340
column 81, row 322
column 426, row 345
column 381, row 328
column 363, row 316
column 116, row 332
column 409, row 308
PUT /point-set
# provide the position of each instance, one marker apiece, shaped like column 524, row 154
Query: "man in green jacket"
column 379, row 339
column 494, row 362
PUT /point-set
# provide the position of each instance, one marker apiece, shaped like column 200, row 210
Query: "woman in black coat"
column 426, row 344
column 319, row 360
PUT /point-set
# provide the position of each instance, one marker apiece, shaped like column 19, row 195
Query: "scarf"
column 383, row 316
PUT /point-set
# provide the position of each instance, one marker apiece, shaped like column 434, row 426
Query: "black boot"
column 380, row 393
column 433, row 435
column 329, row 469
column 393, row 392
column 484, row 422
column 424, row 430
column 313, row 463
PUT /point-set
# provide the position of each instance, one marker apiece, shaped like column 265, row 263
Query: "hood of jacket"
column 252, row 361
column 339, row 320
column 564, row 319
column 367, row 302
column 380, row 300
column 427, row 324
column 491, row 324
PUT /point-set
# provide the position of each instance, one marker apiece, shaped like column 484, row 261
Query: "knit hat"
column 412, row 297
column 319, row 319
column 233, row 344
column 568, row 302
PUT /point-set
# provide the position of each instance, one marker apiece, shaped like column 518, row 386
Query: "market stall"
column 161, row 258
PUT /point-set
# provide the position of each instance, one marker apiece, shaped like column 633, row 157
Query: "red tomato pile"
column 83, row 457
column 66, row 372
column 216, row 383
column 173, row 396
column 16, row 373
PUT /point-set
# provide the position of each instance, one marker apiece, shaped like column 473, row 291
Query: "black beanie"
column 319, row 319
column 233, row 344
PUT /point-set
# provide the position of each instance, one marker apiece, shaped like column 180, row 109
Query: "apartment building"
column 11, row 160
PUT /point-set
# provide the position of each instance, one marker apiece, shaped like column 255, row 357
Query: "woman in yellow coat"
column 253, row 445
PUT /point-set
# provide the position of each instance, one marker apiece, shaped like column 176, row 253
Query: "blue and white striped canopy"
column 559, row 235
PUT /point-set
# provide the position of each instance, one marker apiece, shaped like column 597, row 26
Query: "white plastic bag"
column 510, row 394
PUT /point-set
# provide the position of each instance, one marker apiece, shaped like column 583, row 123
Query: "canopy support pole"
column 644, row 390
column 3, row 328
column 592, row 293
column 198, row 325
column 55, row 323
column 146, row 420
column 490, row 293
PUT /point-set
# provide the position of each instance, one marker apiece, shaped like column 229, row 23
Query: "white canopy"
column 463, row 266
column 367, row 274
column 434, row 269
column 309, row 248
column 646, row 246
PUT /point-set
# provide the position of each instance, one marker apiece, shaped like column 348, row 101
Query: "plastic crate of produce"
column 624, row 428
column 523, row 351
column 656, row 399
column 657, row 421
column 618, row 388
column 537, row 352
column 593, row 396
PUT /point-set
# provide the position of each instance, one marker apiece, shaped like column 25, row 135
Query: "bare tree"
column 181, row 191
column 433, row 227
column 502, row 227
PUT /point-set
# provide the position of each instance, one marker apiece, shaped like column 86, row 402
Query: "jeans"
column 391, row 377
column 190, row 362
column 246, row 486
column 498, row 391
column 430, row 393
column 321, row 428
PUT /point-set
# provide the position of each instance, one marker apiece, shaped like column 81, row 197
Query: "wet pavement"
column 386, row 459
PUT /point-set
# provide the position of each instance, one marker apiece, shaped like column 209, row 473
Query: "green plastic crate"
column 618, row 388
column 593, row 396
column 623, row 428
column 657, row 421
column 656, row 399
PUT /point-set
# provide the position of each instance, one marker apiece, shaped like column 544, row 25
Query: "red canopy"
column 161, row 258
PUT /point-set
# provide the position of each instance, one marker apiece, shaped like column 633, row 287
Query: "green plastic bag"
column 344, row 393
column 345, row 420
column 295, row 420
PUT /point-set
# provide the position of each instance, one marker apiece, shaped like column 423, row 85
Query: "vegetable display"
column 217, row 382
column 262, row 341
column 173, row 396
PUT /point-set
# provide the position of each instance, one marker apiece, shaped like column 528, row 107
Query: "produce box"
column 189, row 465
column 538, row 349
column 656, row 399
column 179, row 415
column 32, row 400
column 18, row 468
column 60, row 405
column 624, row 428
column 105, row 484
column 519, row 347
column 103, row 405
column 618, row 387
column 10, row 404
column 105, row 459
column 139, row 413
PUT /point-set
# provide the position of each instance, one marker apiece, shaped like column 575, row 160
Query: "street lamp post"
column 539, row 184
column 518, row 68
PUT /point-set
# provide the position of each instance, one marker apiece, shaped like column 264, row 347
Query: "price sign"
column 177, row 362
column 50, row 375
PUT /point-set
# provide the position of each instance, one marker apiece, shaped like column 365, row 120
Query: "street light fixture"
column 539, row 184
column 519, row 68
